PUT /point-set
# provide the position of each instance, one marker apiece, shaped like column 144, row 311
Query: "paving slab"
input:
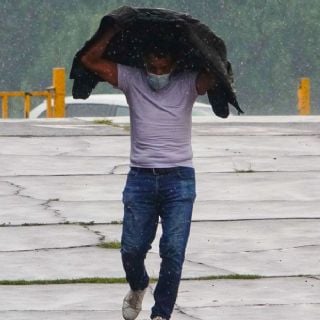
column 212, row 146
column 66, row 146
column 55, row 127
column 18, row 210
column 296, row 290
column 257, row 164
column 15, row 210
column 110, row 211
column 261, row 312
column 257, row 195
column 230, row 299
column 75, row 315
column 220, row 237
column 237, row 236
column 302, row 186
column 280, row 298
column 270, row 248
column 203, row 146
column 26, row 238
column 84, row 262
column 18, row 165
column 255, row 128
column 87, row 187
column 271, row 125
column 281, row 262
column 204, row 210
column 256, row 186
column 209, row 210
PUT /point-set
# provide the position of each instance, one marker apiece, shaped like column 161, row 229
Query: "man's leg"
column 139, row 226
column 178, row 194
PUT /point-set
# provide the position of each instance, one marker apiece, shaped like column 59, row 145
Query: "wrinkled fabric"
column 199, row 49
column 161, row 120
column 146, row 198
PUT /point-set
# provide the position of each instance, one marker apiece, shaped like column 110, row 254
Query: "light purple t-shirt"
column 160, row 120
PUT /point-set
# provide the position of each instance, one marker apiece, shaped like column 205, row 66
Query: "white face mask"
column 158, row 82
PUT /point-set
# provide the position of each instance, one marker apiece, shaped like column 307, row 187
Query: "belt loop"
column 153, row 171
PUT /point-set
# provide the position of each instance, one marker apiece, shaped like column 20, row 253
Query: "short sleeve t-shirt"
column 160, row 120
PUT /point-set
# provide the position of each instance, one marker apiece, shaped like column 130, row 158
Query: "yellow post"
column 49, row 105
column 5, row 112
column 27, row 104
column 304, row 96
column 59, row 83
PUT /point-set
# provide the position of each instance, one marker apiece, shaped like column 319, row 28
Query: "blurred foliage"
column 271, row 43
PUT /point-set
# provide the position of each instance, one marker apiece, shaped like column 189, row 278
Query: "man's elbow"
column 86, row 61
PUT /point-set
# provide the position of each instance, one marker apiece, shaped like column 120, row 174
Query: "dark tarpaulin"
column 197, row 46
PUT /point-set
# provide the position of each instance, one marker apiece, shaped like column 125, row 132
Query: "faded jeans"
column 148, row 196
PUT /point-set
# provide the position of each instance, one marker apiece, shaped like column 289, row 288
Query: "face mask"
column 158, row 82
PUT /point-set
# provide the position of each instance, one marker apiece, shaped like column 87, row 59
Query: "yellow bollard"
column 304, row 96
column 5, row 109
column 59, row 83
column 27, row 104
column 49, row 105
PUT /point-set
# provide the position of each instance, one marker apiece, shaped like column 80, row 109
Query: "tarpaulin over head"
column 198, row 49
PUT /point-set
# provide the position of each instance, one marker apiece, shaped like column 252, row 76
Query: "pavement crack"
column 45, row 204
column 315, row 277
column 112, row 171
column 19, row 189
column 209, row 266
column 98, row 233
column 181, row 311
column 57, row 213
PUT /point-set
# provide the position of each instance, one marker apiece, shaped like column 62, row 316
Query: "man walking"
column 161, row 180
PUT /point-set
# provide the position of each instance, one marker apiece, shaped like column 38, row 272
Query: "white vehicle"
column 105, row 105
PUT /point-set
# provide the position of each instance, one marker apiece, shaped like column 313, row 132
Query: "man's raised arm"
column 92, row 60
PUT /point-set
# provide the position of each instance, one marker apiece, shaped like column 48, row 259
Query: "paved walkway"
column 256, row 214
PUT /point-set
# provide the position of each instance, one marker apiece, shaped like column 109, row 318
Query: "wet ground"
column 257, row 213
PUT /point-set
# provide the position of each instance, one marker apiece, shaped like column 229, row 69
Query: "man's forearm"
column 95, row 52
column 93, row 61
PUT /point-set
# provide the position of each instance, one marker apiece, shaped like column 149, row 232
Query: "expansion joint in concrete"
column 50, row 248
column 272, row 249
column 258, row 305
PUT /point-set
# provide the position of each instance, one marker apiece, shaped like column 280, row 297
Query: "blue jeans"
column 146, row 197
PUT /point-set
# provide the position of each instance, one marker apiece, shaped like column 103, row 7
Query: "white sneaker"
column 132, row 304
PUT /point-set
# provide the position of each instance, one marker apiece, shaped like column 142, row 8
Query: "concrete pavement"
column 256, row 213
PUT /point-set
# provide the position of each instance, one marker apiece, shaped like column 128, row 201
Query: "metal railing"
column 54, row 95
